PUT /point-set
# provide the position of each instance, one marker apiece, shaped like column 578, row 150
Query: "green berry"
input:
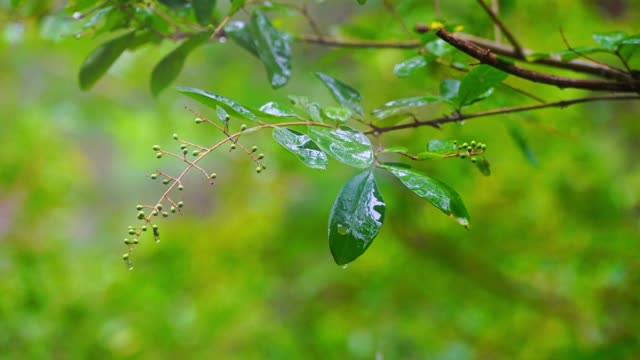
column 227, row 118
column 195, row 153
column 463, row 156
column 165, row 214
column 139, row 207
column 254, row 148
column 185, row 151
column 473, row 144
column 261, row 156
column 474, row 159
column 132, row 232
column 233, row 146
column 144, row 227
column 135, row 241
column 154, row 176
column 156, row 147
column 166, row 181
column 159, row 207
column 155, row 227
column 127, row 241
column 198, row 120
column 125, row 257
column 264, row 167
column 154, row 213
column 483, row 147
column 180, row 204
column 173, row 209
column 141, row 215
column 213, row 176
column 465, row 145
column 175, row 136
column 180, row 187
column 183, row 146
column 159, row 155
column 243, row 127
column 259, row 169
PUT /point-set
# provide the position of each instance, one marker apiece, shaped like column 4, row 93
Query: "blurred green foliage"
column 550, row 268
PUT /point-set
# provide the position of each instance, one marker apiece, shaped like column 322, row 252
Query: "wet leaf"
column 302, row 146
column 404, row 106
column 483, row 166
column 610, row 40
column 395, row 149
column 409, row 66
column 168, row 69
column 345, row 144
column 203, row 9
column 273, row 109
column 239, row 32
column 100, row 60
column 477, row 83
column 344, row 94
column 311, row 109
column 434, row 191
column 521, row 141
column 273, row 49
column 449, row 89
column 222, row 115
column 337, row 114
column 212, row 100
column 442, row 146
column 356, row 218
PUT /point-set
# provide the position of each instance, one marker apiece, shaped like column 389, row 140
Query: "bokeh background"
column 550, row 268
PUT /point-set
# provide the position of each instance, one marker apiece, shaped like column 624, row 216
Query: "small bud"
column 233, row 146
column 254, row 148
column 127, row 241
column 195, row 153
column 144, row 227
column 125, row 257
column 156, row 147
column 185, row 151
column 243, row 127
column 473, row 144
column 259, row 169
column 213, row 176
column 483, row 147
column 465, row 145
column 154, row 213
column 198, row 120
column 463, row 156
column 180, row 187
column 165, row 214
column 132, row 232
column 141, row 215
column 159, row 155
column 166, row 181
column 154, row 176
column 227, row 118
column 159, row 207
column 139, row 207
column 173, row 209
column 183, row 146
column 175, row 136
column 473, row 159
column 135, row 241
column 155, row 227
column 264, row 167
column 261, row 156
column 180, row 204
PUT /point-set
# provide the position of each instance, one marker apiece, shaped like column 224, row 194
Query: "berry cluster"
column 471, row 150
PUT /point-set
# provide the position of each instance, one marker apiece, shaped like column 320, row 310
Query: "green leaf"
column 403, row 106
column 434, row 191
column 203, row 9
column 568, row 55
column 521, row 141
column 239, row 32
column 362, row 2
column 345, row 144
column 439, row 47
column 483, row 166
column 427, row 155
column 98, row 62
column 235, row 6
column 449, row 89
column 409, row 66
column 222, row 115
column 302, row 146
column 276, row 110
column 337, row 113
column 273, row 49
column 477, row 82
column 171, row 65
column 310, row 108
column 344, row 94
column 395, row 149
column 356, row 218
column 442, row 146
column 611, row 40
column 212, row 100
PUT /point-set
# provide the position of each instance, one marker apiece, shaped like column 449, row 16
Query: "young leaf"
column 100, row 59
column 272, row 109
column 409, row 66
column 170, row 66
column 239, row 32
column 337, row 113
column 611, row 40
column 483, row 166
column 273, row 49
column 477, row 82
column 310, row 108
column 344, row 94
column 302, row 146
column 402, row 106
column 433, row 190
column 518, row 137
column 203, row 9
column 212, row 100
column 345, row 144
column 442, row 146
column 356, row 218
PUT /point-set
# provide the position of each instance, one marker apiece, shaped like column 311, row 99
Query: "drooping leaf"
column 521, row 141
column 203, row 9
column 356, row 218
column 311, row 109
column 403, row 106
column 171, row 65
column 610, row 40
column 629, row 46
column 409, row 66
column 212, row 100
column 344, row 94
column 477, row 82
column 239, row 32
column 222, row 115
column 273, row 109
column 442, row 146
column 483, row 166
column 98, row 62
column 337, row 113
column 273, row 49
column 345, row 144
column 302, row 146
column 433, row 190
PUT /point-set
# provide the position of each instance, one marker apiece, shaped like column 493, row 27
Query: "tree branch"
column 460, row 117
column 496, row 20
column 485, row 56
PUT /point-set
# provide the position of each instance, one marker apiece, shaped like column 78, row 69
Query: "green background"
column 549, row 269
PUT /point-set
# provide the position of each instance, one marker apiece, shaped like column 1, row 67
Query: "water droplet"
column 345, row 266
column 77, row 15
column 342, row 229
column 157, row 240
column 222, row 39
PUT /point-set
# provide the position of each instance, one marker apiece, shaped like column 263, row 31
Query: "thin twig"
column 495, row 7
column 392, row 9
column 496, row 20
column 459, row 117
column 584, row 56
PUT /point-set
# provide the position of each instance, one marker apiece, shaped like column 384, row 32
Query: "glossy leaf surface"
column 273, row 49
column 356, row 218
column 480, row 80
column 345, row 144
column 302, row 146
column 442, row 146
column 240, row 33
column 411, row 65
column 344, row 94
column 434, row 191
column 337, row 113
column 203, row 9
column 212, row 100
column 610, row 40
column 101, row 59
column 273, row 109
column 404, row 106
column 168, row 69
column 311, row 109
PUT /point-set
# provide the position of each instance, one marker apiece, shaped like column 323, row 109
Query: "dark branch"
column 496, row 20
column 485, row 56
column 459, row 117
